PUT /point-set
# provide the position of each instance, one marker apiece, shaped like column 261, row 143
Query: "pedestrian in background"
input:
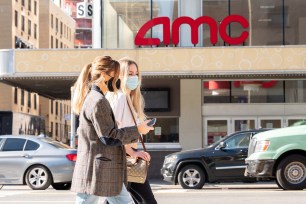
column 100, row 168
column 129, row 95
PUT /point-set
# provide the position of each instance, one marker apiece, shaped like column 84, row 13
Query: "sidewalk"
column 157, row 184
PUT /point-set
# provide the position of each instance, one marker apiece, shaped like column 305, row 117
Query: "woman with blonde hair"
column 100, row 169
column 126, row 104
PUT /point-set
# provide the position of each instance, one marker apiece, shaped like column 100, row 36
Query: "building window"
column 35, row 7
column 29, row 99
column 51, row 129
column 51, row 20
column 295, row 91
column 244, row 91
column 29, row 5
column 15, row 95
column 61, row 45
column 56, row 43
column 56, row 108
column 35, row 31
column 35, row 101
column 166, row 130
column 22, row 97
column 22, row 22
column 61, row 29
column 22, row 3
column 61, row 110
column 56, row 129
column 51, row 41
column 16, row 18
column 56, row 25
column 51, row 106
column 29, row 27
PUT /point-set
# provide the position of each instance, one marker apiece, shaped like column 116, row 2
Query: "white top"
column 123, row 115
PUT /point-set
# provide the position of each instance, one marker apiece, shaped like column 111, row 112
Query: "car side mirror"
column 222, row 145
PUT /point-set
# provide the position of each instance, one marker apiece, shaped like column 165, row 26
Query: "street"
column 263, row 193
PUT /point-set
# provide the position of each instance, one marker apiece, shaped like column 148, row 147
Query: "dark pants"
column 141, row 193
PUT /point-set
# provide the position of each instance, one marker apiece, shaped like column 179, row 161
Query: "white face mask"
column 132, row 82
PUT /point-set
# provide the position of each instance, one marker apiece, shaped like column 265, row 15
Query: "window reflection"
column 271, row 91
column 216, row 130
column 165, row 130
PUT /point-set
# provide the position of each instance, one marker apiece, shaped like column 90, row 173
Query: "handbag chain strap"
column 140, row 137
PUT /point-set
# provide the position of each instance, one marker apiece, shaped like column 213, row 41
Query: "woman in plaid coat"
column 100, row 168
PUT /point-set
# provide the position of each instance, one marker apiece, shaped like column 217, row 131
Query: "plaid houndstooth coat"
column 101, row 163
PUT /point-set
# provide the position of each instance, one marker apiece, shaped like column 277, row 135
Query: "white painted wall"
column 190, row 123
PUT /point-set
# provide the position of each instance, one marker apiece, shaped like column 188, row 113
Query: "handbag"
column 137, row 169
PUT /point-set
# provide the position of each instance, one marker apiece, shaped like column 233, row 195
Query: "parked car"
column 221, row 161
column 36, row 161
column 279, row 154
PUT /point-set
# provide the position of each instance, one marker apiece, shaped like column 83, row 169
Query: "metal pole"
column 72, row 124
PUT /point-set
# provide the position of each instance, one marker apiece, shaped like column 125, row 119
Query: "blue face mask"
column 132, row 82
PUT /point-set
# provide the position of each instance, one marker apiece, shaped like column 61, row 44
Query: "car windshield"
column 55, row 143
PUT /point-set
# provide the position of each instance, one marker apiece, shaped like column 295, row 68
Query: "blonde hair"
column 135, row 95
column 91, row 74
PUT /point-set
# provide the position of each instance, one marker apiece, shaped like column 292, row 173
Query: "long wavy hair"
column 135, row 95
column 89, row 75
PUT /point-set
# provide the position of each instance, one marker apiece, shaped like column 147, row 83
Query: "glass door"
column 241, row 124
column 294, row 121
column 214, row 130
column 270, row 122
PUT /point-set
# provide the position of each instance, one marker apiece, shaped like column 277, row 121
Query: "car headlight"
column 170, row 159
column 262, row 146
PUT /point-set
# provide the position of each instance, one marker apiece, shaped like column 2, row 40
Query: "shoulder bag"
column 137, row 168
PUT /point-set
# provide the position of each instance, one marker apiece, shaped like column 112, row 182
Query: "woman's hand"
column 142, row 154
column 143, row 128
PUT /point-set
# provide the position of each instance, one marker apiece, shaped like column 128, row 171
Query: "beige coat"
column 101, row 163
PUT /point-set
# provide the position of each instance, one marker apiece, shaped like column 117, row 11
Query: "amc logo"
column 194, row 25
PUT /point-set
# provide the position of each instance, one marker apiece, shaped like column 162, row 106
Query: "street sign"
column 84, row 10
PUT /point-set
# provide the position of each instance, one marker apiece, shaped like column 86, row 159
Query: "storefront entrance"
column 216, row 128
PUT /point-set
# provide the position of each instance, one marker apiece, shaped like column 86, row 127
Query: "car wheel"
column 61, row 186
column 291, row 173
column 38, row 177
column 191, row 177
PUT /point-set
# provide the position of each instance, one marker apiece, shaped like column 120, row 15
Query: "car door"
column 12, row 160
column 229, row 160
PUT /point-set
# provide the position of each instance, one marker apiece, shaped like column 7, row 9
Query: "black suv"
column 221, row 161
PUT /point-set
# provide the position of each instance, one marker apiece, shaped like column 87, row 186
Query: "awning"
column 51, row 73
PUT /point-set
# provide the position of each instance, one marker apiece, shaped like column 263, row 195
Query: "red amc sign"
column 194, row 24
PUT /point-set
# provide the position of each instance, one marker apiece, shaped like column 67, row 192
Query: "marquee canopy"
column 52, row 72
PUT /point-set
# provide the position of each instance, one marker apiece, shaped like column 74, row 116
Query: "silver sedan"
column 36, row 161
